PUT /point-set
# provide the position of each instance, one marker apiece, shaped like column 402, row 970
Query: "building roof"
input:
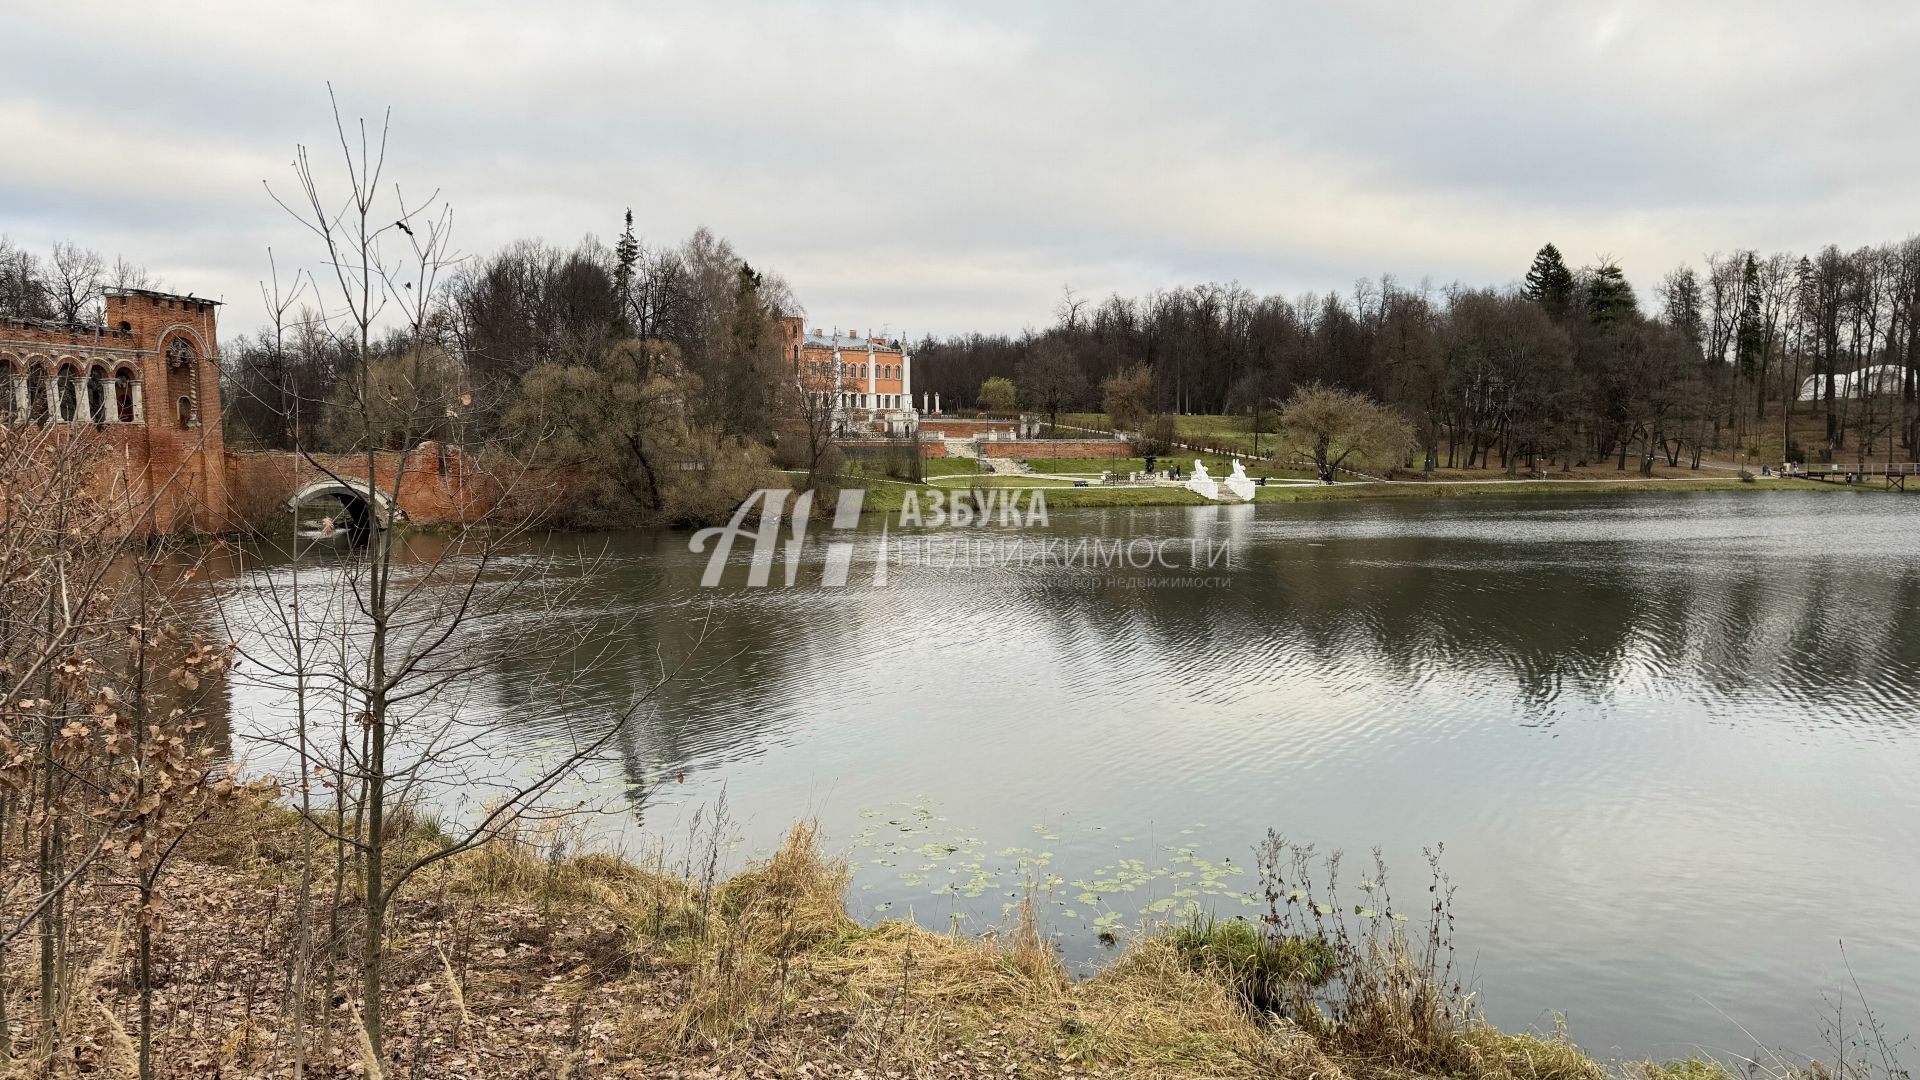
column 163, row 296
column 848, row 344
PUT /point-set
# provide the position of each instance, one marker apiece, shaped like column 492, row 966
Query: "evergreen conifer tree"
column 1609, row 296
column 1750, row 337
column 626, row 256
column 1549, row 282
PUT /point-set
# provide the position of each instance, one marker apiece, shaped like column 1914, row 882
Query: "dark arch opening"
column 69, row 394
column 181, row 358
column 340, row 508
column 97, row 396
column 37, row 394
column 359, row 520
column 123, row 384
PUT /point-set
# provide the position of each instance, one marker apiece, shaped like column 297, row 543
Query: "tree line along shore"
column 654, row 372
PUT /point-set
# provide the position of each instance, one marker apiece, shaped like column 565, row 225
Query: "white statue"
column 1202, row 484
column 1240, row 483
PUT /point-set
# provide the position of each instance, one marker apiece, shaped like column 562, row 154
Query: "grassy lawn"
column 1524, row 487
column 855, row 471
column 987, row 480
column 1219, row 467
column 1760, row 442
column 1092, row 466
column 952, row 466
column 887, row 497
column 1226, row 431
column 1122, row 496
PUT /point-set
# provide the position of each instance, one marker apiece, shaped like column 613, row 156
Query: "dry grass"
column 532, row 958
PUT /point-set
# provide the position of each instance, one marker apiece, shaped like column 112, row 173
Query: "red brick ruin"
column 143, row 390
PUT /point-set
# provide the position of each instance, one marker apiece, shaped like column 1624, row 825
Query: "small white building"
column 1874, row 381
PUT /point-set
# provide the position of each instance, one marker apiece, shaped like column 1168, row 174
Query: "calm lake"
column 1671, row 743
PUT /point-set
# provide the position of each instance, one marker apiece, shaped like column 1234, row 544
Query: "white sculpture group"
column 1239, row 484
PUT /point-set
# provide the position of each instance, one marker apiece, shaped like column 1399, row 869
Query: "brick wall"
column 1054, row 448
column 437, row 485
column 963, row 429
column 185, row 445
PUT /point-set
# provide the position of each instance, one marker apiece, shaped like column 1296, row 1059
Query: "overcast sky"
column 941, row 168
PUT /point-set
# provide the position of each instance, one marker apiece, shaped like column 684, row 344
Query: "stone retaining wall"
column 1054, row 448
column 964, row 429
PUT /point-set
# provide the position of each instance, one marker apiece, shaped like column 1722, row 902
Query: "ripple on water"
column 1668, row 741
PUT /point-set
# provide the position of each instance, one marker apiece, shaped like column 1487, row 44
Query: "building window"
column 97, row 396
column 123, row 395
column 70, row 395
column 37, row 404
column 181, row 364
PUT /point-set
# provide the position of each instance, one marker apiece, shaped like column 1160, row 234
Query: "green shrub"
column 1259, row 966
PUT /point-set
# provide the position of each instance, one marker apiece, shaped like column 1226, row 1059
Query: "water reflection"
column 1630, row 718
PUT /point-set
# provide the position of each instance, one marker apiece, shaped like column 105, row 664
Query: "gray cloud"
column 948, row 167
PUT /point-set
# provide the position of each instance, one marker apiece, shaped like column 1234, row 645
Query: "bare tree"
column 1051, row 381
column 813, row 395
column 22, row 292
column 75, row 278
column 1127, row 397
column 96, row 770
column 1330, row 427
column 419, row 624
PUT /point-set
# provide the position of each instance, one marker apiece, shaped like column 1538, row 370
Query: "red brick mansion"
column 867, row 381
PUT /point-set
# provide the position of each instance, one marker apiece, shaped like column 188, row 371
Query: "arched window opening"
column 97, row 396
column 182, row 359
column 125, row 396
column 37, row 401
column 70, row 399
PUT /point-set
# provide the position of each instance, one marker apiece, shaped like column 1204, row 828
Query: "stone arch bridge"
column 366, row 507
column 436, row 484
